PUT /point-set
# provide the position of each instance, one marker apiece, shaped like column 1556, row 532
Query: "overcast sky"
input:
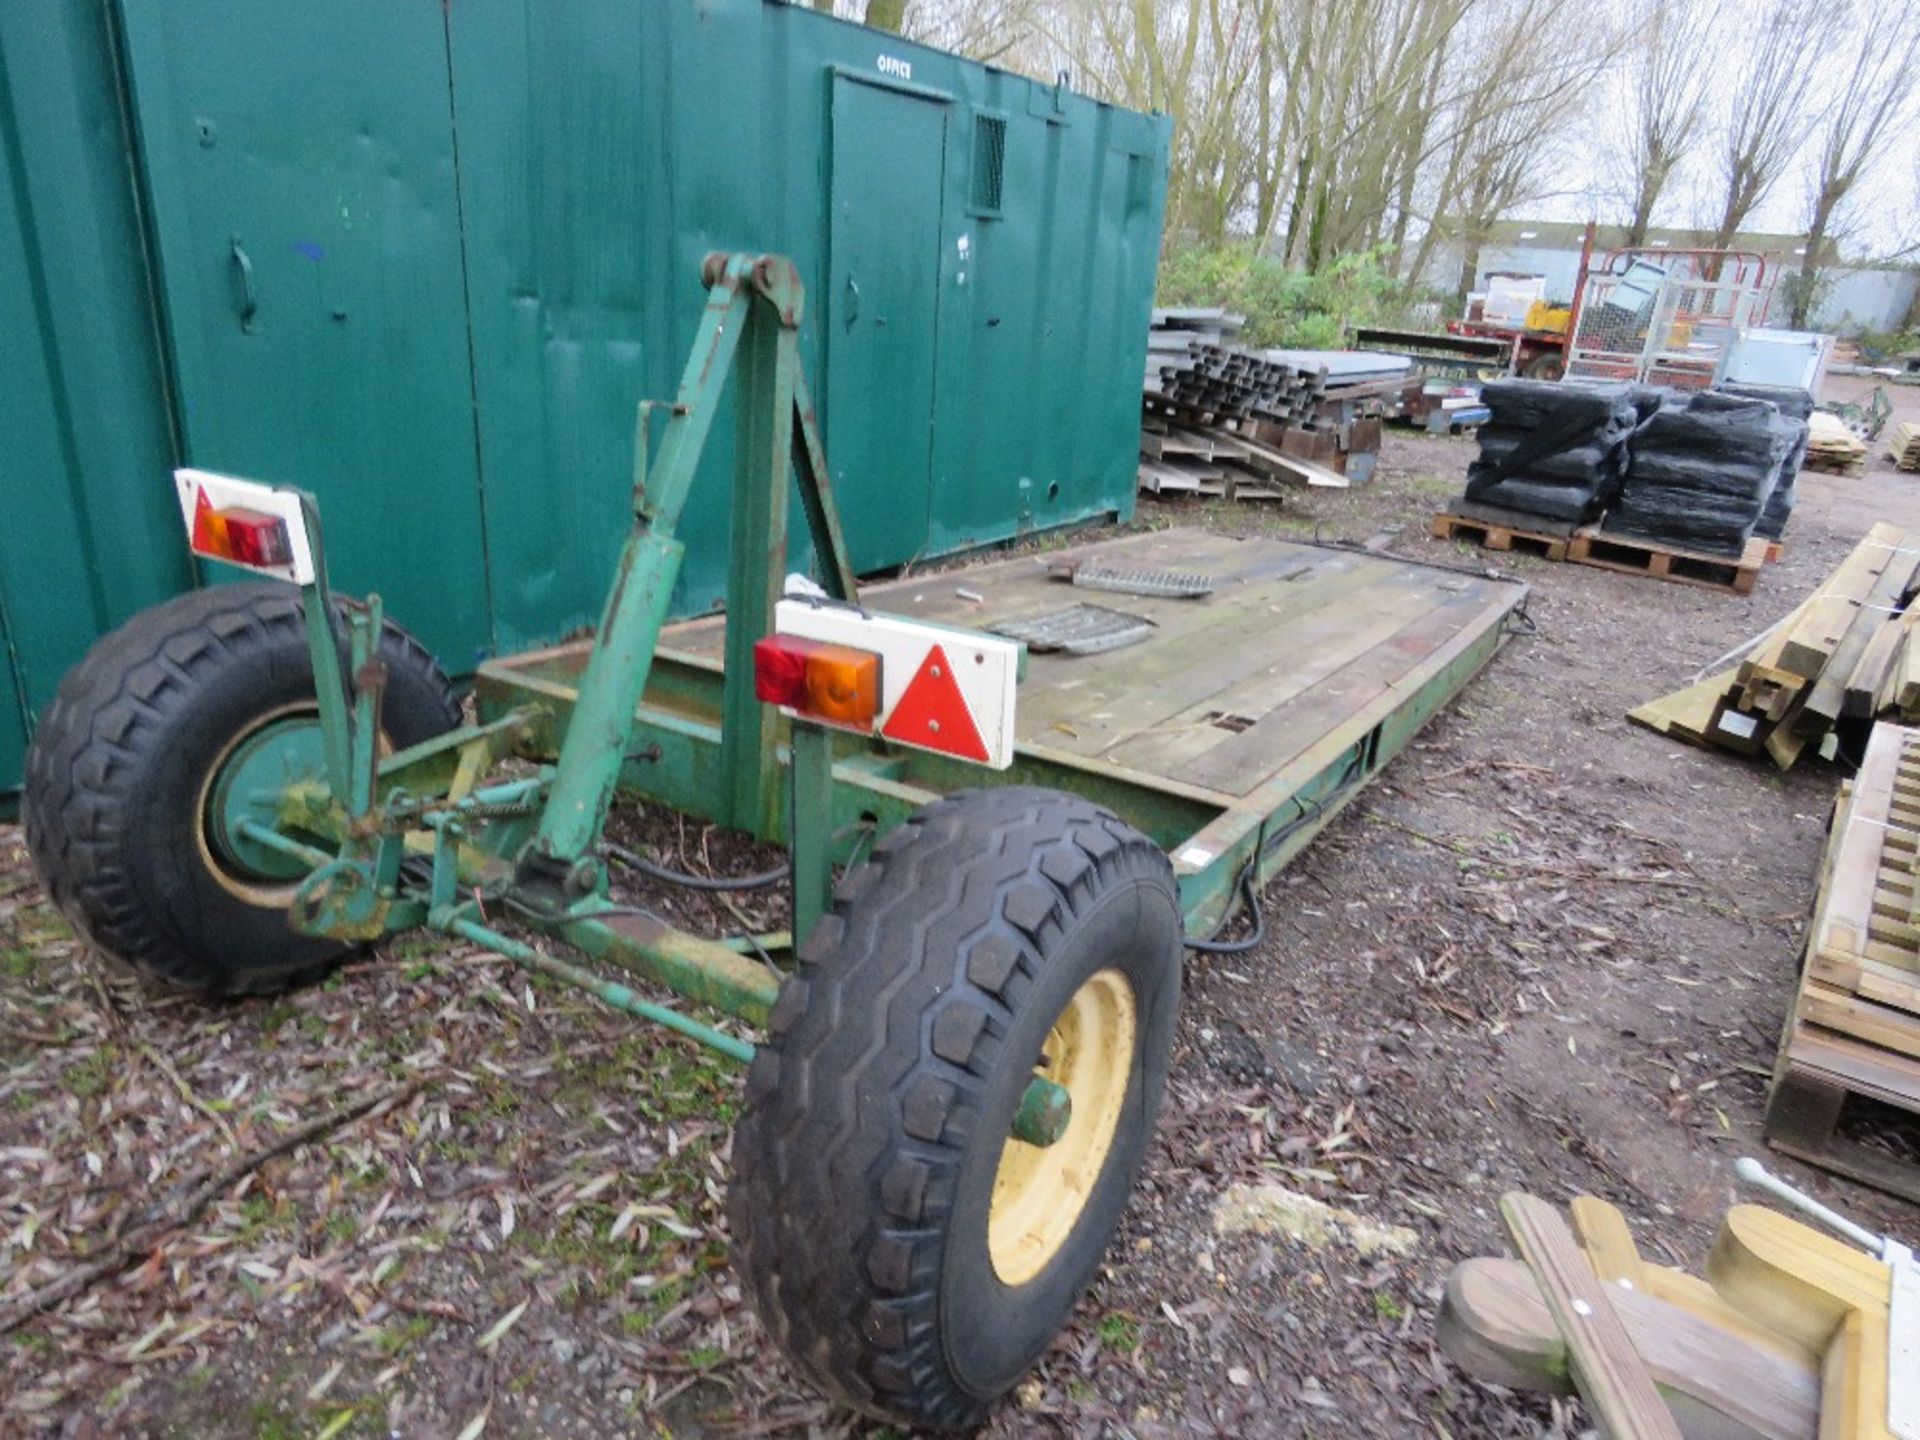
column 1884, row 215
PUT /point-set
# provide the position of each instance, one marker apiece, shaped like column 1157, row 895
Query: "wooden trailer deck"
column 1233, row 732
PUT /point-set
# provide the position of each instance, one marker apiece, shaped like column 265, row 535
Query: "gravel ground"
column 1546, row 950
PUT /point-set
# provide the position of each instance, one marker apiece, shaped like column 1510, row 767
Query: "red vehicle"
column 1537, row 354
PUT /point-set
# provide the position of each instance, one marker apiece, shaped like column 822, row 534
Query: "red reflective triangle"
column 933, row 714
column 209, row 534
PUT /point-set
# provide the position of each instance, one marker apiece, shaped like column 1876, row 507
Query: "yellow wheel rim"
column 232, row 877
column 253, row 890
column 1039, row 1192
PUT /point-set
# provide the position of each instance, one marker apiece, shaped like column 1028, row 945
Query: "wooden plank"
column 1842, row 922
column 1603, row 1234
column 1287, row 730
column 1805, row 649
column 1199, row 649
column 1633, row 556
column 1825, row 703
column 1691, row 714
column 1753, row 665
column 1489, row 535
column 1606, row 1367
column 1871, row 979
column 1869, row 675
column 1248, row 684
column 1907, row 693
column 1805, row 1283
column 1784, row 746
column 1158, row 477
column 1857, row 1066
column 1494, row 1323
column 1876, row 1024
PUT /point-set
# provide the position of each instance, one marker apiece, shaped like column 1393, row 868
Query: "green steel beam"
column 618, row 996
column 706, row 971
column 811, row 826
column 757, row 566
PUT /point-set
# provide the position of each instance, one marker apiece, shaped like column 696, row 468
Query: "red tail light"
column 832, row 683
column 246, row 537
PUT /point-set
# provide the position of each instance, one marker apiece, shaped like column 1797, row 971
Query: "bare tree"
column 880, row 14
column 1516, row 103
column 1774, row 106
column 1320, row 128
column 1881, row 69
column 996, row 31
column 1668, row 98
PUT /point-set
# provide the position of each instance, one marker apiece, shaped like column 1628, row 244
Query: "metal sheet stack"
column 1173, row 331
column 1224, row 419
column 1240, row 384
column 1819, row 677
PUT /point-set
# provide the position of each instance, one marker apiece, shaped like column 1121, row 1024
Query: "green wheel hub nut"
column 1046, row 1109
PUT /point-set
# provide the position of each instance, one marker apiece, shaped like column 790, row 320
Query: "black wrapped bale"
column 1551, row 449
column 1792, row 401
column 1795, row 405
column 1701, row 472
column 1773, row 520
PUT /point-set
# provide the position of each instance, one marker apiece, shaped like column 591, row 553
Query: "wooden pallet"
column 1489, row 536
column 1853, row 1033
column 1904, row 448
column 1593, row 546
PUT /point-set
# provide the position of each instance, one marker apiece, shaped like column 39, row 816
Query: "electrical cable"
column 1254, row 937
column 635, row 861
column 1310, row 811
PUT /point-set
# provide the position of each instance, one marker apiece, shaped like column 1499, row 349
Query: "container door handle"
column 853, row 302
column 249, row 301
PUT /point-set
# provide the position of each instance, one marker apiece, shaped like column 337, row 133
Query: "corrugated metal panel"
column 13, row 716
column 90, row 534
column 426, row 258
column 604, row 149
column 1857, row 300
column 300, row 166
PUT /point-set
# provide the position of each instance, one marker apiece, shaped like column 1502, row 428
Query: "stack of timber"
column 1905, row 448
column 1851, row 1048
column 1832, row 447
column 1843, row 656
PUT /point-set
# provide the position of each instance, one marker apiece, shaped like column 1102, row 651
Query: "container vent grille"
column 989, row 162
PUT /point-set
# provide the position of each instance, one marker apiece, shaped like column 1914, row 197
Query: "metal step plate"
column 1173, row 584
column 1077, row 630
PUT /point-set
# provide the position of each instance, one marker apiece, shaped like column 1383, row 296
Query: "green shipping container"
column 423, row 259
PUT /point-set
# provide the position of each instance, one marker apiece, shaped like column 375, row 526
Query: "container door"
column 13, row 724
column 881, row 309
column 301, row 168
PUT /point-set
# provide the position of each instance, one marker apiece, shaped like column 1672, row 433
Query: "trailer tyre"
column 909, row 1255
column 131, row 767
